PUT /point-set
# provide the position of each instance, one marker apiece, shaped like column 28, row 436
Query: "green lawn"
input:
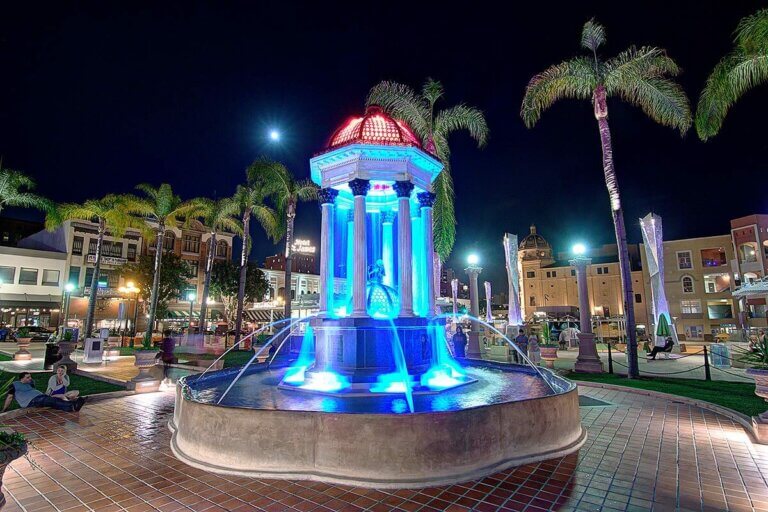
column 5, row 357
column 733, row 395
column 85, row 385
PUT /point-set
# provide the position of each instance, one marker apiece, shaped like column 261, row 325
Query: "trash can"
column 51, row 355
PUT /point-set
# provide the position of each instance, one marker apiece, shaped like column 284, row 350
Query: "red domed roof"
column 375, row 127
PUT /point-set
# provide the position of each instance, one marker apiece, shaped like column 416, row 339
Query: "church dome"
column 375, row 127
column 534, row 246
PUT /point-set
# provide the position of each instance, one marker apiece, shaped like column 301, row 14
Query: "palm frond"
column 647, row 62
column 661, row 99
column 574, row 79
column 306, row 190
column 592, row 35
column 444, row 217
column 432, row 90
column 462, row 117
column 403, row 103
column 752, row 33
column 270, row 221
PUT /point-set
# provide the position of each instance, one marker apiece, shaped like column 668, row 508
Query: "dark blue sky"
column 96, row 97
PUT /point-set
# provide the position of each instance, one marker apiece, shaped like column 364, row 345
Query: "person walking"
column 534, row 352
column 521, row 342
column 459, row 341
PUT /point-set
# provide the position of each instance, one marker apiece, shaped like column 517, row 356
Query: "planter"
column 8, row 455
column 144, row 382
column 760, row 423
column 111, row 347
column 23, row 353
column 65, row 349
column 549, row 354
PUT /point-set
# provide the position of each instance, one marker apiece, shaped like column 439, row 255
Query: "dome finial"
column 533, row 229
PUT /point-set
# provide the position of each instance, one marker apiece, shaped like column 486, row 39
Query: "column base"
column 588, row 361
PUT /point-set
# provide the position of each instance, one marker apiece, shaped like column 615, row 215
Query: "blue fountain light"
column 390, row 383
column 328, row 382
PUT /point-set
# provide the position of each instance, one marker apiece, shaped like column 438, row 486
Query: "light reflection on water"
column 258, row 391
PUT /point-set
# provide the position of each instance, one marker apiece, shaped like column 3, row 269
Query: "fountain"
column 373, row 396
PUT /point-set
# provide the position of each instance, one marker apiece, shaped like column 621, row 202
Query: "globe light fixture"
column 191, row 296
column 473, row 259
column 69, row 287
column 579, row 249
column 274, row 135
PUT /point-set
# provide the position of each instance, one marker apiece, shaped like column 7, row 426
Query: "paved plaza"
column 641, row 454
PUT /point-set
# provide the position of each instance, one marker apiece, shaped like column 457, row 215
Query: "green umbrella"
column 663, row 327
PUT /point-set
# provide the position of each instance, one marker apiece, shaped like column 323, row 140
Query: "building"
column 698, row 282
column 750, row 247
column 13, row 230
column 31, row 286
column 446, row 276
column 304, row 258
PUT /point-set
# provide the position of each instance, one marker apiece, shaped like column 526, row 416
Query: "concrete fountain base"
column 376, row 450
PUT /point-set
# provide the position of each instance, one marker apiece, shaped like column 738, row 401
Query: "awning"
column 28, row 300
column 263, row 315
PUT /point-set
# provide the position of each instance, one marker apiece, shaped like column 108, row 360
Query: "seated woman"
column 668, row 343
column 58, row 384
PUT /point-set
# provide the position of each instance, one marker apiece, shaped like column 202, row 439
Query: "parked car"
column 37, row 334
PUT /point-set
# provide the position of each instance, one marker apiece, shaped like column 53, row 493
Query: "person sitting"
column 27, row 396
column 667, row 347
column 58, row 384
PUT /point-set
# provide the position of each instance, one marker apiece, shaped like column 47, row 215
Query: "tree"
column 743, row 69
column 109, row 213
column 12, row 184
column 251, row 197
column 225, row 285
column 434, row 129
column 160, row 208
column 174, row 276
column 286, row 192
column 220, row 215
column 638, row 76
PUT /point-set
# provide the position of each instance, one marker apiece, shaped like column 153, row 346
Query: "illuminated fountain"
column 373, row 396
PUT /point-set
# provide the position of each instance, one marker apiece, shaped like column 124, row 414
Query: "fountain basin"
column 509, row 417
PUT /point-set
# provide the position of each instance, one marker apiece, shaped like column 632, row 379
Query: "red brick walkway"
column 642, row 454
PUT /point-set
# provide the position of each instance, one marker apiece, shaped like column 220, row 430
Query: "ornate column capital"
column 426, row 199
column 327, row 195
column 580, row 261
column 403, row 188
column 359, row 186
column 387, row 216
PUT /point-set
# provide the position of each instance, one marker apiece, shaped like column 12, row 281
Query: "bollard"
column 707, row 375
column 610, row 360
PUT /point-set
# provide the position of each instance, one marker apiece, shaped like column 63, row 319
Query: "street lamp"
column 128, row 289
column 473, row 271
column 68, row 289
column 191, row 298
column 579, row 249
column 274, row 135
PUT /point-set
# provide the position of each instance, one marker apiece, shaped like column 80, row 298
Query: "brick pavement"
column 642, row 454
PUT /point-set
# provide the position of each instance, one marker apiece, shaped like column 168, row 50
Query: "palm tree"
column 639, row 76
column 219, row 215
column 160, row 208
column 110, row 214
column 11, row 194
column 286, row 192
column 744, row 68
column 434, row 128
column 251, row 199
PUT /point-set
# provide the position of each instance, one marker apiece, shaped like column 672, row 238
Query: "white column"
column 326, row 196
column 359, row 190
column 473, row 345
column 426, row 200
column 386, row 246
column 404, row 247
column 588, row 361
column 417, row 273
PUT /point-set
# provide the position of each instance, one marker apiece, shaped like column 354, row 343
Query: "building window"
column 717, row 283
column 77, row 245
column 221, row 249
column 194, row 268
column 687, row 284
column 28, row 276
column 605, row 270
column 88, row 276
column 530, row 274
column 684, row 260
column 169, row 241
column 638, row 298
column 747, row 253
column 191, row 243
column 92, row 243
column 7, row 275
column 131, row 252
column 532, row 301
column 719, row 309
column 552, row 274
column 573, row 273
column 74, row 276
column 713, row 257
column 695, row 331
column 51, row 277
column 600, row 270
column 690, row 307
column 112, row 249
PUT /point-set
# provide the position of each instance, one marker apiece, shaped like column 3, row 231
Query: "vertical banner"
column 513, row 279
column 488, row 312
column 455, row 293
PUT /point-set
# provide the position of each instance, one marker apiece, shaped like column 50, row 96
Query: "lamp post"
column 473, row 271
column 68, row 289
column 191, row 298
column 128, row 289
column 588, row 361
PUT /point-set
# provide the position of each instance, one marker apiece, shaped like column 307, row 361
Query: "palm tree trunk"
column 94, row 282
column 155, row 286
column 289, row 259
column 207, row 283
column 611, row 182
column 243, row 274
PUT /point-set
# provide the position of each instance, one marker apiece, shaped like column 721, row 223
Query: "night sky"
column 96, row 97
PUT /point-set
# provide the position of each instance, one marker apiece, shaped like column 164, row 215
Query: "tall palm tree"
column 286, row 192
column 219, row 215
column 744, row 68
column 110, row 214
column 434, row 128
column 12, row 184
column 159, row 208
column 251, row 199
column 638, row 76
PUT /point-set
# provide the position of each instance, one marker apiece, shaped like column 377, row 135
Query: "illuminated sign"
column 303, row 246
